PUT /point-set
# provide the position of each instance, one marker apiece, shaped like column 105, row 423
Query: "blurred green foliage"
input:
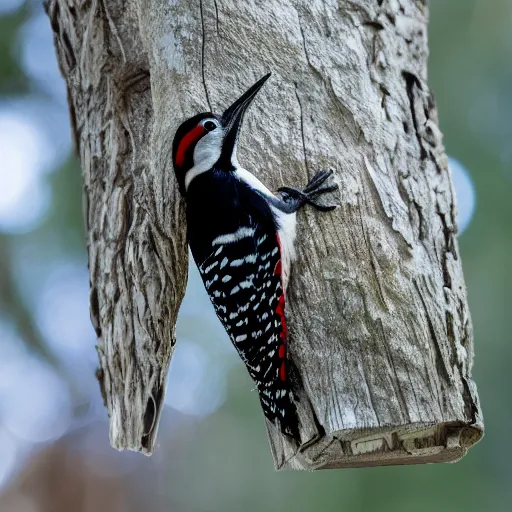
column 225, row 462
column 12, row 78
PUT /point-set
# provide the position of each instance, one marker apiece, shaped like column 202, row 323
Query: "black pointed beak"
column 233, row 116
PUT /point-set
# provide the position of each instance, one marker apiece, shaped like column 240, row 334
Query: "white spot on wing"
column 240, row 233
column 211, row 281
column 210, row 267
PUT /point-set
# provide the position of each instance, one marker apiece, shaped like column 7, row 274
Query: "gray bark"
column 379, row 323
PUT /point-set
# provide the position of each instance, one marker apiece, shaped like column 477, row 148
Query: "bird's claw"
column 317, row 180
column 316, row 186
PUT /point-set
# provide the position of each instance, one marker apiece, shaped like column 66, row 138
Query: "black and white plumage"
column 242, row 240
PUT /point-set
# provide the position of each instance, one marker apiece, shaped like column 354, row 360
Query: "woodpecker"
column 242, row 237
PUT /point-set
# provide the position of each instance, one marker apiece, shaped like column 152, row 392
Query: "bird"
column 241, row 236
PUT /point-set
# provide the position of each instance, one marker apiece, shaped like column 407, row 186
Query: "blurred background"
column 213, row 452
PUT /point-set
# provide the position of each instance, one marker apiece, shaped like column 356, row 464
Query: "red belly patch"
column 280, row 312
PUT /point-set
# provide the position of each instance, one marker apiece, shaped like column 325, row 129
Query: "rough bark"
column 379, row 322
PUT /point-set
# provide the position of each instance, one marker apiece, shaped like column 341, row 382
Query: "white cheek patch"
column 206, row 153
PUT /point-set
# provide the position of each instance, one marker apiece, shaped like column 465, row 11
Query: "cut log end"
column 400, row 445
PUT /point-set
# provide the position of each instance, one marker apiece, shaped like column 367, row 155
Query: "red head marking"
column 190, row 138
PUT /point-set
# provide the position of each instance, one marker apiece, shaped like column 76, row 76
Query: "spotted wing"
column 243, row 279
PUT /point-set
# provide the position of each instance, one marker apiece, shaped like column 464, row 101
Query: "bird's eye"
column 209, row 126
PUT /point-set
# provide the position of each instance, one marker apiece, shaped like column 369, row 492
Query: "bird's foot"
column 317, row 186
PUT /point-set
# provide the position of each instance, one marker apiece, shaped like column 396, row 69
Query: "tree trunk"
column 379, row 322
